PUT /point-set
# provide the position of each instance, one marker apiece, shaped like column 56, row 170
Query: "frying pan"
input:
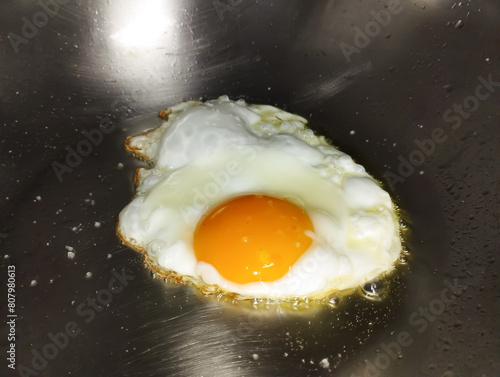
column 409, row 89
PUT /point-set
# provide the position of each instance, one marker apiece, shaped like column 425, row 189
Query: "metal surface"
column 413, row 76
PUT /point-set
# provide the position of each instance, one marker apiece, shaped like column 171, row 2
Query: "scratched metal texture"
column 71, row 66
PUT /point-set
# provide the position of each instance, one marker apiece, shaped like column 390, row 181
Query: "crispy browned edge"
column 172, row 275
column 166, row 273
column 163, row 114
column 202, row 288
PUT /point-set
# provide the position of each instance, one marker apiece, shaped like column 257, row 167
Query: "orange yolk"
column 253, row 238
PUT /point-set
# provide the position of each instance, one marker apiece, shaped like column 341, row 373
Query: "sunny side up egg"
column 245, row 199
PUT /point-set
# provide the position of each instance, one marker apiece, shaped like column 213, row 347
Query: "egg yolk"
column 253, row 238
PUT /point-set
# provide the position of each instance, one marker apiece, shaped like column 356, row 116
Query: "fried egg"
column 246, row 200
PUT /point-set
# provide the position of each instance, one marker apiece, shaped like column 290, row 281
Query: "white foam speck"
column 324, row 363
column 71, row 252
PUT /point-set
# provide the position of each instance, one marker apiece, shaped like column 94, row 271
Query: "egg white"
column 207, row 153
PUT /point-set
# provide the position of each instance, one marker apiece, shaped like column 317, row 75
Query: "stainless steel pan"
column 410, row 89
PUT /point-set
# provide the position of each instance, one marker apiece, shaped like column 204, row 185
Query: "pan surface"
column 410, row 89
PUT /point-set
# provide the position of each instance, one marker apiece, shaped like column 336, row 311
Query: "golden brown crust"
column 163, row 114
column 168, row 274
column 172, row 275
column 136, row 177
column 122, row 239
column 135, row 150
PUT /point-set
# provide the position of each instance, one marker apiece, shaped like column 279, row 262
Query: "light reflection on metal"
column 147, row 26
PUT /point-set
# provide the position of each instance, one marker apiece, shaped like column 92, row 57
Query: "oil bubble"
column 332, row 301
column 374, row 290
